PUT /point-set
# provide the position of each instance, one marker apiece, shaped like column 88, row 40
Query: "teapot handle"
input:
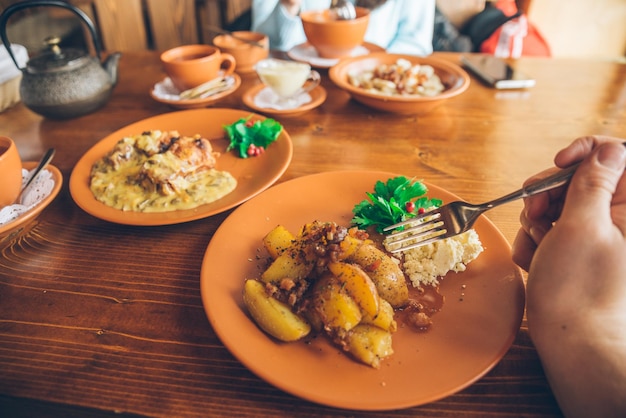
column 4, row 17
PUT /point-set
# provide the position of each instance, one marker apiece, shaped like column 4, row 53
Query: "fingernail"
column 612, row 156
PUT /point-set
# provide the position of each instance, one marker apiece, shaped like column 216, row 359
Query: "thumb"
column 591, row 190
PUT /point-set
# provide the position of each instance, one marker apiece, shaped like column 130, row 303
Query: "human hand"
column 576, row 292
column 581, row 260
column 542, row 210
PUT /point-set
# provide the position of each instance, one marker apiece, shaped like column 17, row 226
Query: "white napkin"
column 37, row 191
column 8, row 70
column 267, row 99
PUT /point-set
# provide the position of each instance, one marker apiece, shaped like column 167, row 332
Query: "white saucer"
column 259, row 99
column 267, row 99
column 165, row 92
column 307, row 53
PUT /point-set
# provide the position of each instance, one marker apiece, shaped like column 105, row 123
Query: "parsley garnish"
column 389, row 204
column 246, row 134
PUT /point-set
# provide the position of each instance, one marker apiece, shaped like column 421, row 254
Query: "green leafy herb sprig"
column 395, row 201
column 250, row 138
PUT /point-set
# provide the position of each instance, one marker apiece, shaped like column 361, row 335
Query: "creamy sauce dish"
column 158, row 171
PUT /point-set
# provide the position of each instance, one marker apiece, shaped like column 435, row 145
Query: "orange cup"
column 246, row 54
column 10, row 171
column 188, row 66
column 333, row 38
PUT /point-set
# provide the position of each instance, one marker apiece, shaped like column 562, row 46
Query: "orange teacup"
column 188, row 66
column 246, row 53
column 10, row 172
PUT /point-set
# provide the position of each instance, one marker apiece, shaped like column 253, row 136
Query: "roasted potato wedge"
column 349, row 246
column 334, row 306
column 273, row 316
column 384, row 317
column 358, row 284
column 288, row 265
column 277, row 241
column 385, row 273
column 370, row 344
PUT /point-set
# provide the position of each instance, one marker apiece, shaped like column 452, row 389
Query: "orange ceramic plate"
column 470, row 335
column 199, row 103
column 22, row 220
column 318, row 95
column 253, row 174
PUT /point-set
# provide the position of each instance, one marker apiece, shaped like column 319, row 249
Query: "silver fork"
column 458, row 217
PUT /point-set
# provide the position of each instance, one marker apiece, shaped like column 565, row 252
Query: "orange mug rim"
column 362, row 13
column 5, row 140
column 248, row 35
column 170, row 56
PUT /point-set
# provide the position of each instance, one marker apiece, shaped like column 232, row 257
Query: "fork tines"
column 417, row 231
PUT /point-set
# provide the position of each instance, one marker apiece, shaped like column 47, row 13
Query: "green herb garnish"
column 394, row 201
column 250, row 138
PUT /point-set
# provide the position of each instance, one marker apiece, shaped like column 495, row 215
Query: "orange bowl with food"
column 399, row 83
column 331, row 37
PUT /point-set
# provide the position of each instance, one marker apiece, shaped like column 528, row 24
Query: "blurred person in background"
column 398, row 26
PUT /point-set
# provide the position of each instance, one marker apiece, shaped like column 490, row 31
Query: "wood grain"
column 121, row 24
column 172, row 23
column 98, row 319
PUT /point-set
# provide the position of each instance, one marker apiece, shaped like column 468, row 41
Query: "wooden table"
column 76, row 339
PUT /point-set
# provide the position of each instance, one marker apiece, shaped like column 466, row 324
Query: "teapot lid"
column 56, row 59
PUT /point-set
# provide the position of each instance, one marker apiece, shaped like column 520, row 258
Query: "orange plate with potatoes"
column 480, row 317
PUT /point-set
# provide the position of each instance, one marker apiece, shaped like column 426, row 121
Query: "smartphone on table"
column 496, row 72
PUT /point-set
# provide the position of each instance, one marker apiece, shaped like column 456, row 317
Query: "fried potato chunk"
column 384, row 317
column 278, row 240
column 370, row 344
column 334, row 307
column 358, row 284
column 273, row 316
column 385, row 272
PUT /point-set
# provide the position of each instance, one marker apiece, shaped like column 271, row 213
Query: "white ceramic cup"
column 287, row 79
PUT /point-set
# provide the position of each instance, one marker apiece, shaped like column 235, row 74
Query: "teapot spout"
column 111, row 65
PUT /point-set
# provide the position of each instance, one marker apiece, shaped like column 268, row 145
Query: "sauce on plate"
column 159, row 172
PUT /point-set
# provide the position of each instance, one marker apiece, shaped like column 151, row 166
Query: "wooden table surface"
column 74, row 343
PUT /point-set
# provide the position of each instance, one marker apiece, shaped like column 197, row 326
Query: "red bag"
column 515, row 37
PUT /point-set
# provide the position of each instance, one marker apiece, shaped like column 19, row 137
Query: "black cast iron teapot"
column 63, row 83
